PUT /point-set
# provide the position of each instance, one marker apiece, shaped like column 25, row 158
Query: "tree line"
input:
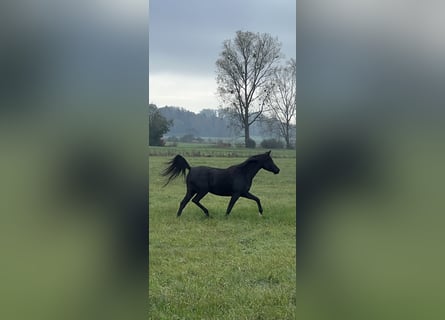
column 183, row 125
column 206, row 123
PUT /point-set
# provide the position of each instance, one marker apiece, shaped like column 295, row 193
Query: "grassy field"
column 240, row 267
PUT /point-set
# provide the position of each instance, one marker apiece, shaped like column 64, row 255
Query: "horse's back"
column 198, row 177
column 208, row 179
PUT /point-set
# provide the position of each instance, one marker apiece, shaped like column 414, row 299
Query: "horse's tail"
column 176, row 166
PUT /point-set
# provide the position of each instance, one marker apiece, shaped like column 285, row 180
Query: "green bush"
column 272, row 144
column 187, row 138
column 251, row 144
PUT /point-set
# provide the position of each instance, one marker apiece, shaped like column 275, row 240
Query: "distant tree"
column 283, row 100
column 158, row 125
column 245, row 71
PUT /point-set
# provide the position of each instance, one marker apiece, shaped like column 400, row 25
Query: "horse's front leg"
column 250, row 196
column 234, row 198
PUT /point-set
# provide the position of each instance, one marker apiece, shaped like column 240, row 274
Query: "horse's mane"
column 251, row 159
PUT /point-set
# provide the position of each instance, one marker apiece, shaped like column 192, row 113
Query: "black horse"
column 235, row 181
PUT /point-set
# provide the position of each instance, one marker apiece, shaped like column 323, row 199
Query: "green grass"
column 240, row 267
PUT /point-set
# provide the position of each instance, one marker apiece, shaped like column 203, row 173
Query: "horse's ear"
column 268, row 152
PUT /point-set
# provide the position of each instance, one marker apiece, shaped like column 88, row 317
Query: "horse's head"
column 268, row 164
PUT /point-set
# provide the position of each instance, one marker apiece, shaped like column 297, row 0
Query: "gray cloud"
column 187, row 36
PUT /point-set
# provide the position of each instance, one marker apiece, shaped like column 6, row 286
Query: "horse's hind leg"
column 234, row 198
column 184, row 201
column 196, row 199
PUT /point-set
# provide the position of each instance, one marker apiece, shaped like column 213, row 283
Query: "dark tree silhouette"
column 157, row 125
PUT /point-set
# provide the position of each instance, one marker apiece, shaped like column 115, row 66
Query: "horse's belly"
column 227, row 187
column 221, row 191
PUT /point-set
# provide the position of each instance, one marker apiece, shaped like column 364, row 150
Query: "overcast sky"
column 185, row 39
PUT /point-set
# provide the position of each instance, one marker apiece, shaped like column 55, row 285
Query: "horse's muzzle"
column 277, row 171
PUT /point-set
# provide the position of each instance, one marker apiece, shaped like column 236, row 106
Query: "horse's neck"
column 252, row 169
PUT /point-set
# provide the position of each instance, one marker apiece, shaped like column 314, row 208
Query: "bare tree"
column 245, row 70
column 283, row 100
